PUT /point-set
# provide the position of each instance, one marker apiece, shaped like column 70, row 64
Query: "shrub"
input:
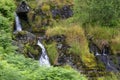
column 7, row 8
column 100, row 12
column 4, row 24
column 6, row 17
column 28, row 69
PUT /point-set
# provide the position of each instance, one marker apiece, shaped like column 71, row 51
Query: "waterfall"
column 44, row 60
column 17, row 23
column 103, row 56
column 97, row 54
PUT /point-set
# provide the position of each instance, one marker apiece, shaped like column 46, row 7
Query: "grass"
column 102, row 32
column 76, row 39
column 109, row 35
column 115, row 44
column 111, row 76
column 52, row 52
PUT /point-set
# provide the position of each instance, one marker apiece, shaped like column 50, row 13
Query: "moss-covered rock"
column 32, row 51
column 27, row 44
column 24, row 37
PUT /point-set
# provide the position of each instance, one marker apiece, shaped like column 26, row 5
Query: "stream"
column 103, row 56
column 44, row 60
column 17, row 23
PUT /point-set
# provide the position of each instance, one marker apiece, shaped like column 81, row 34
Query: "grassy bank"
column 75, row 37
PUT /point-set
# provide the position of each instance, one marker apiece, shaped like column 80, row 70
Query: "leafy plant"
column 100, row 12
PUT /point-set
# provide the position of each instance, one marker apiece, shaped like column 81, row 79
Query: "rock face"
column 61, row 47
column 43, row 16
column 27, row 44
column 22, row 11
column 104, row 55
column 23, row 7
column 24, row 37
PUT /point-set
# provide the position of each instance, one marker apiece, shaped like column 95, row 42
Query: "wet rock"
column 103, row 55
column 59, row 46
column 59, row 38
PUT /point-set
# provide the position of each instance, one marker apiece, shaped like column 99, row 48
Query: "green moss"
column 33, row 49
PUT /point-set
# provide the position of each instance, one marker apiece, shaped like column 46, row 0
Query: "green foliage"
column 102, row 32
column 110, row 76
column 7, row 8
column 16, row 67
column 109, row 35
column 4, row 24
column 100, row 12
column 6, row 18
column 52, row 52
column 76, row 39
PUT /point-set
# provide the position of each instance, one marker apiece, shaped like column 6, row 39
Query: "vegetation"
column 52, row 52
column 17, row 67
column 107, row 35
column 98, row 12
column 96, row 19
column 28, row 69
column 76, row 39
column 111, row 76
column 6, row 14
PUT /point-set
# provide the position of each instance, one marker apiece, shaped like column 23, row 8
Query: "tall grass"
column 105, row 34
column 75, row 37
column 52, row 52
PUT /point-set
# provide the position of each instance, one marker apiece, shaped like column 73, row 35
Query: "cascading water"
column 17, row 23
column 103, row 56
column 44, row 60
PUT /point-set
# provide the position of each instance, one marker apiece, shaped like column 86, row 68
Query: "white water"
column 104, row 58
column 17, row 23
column 97, row 54
column 104, row 52
column 44, row 60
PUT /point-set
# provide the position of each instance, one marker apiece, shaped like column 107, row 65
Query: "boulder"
column 24, row 37
column 23, row 7
column 27, row 44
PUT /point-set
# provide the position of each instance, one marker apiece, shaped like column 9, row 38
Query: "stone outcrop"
column 23, row 8
column 27, row 44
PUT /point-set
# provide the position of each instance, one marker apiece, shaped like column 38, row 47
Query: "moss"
column 33, row 49
column 22, row 32
column 45, row 7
